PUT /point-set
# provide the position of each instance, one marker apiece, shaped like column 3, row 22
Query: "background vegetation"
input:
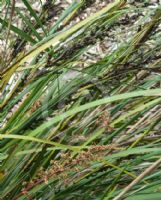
column 80, row 100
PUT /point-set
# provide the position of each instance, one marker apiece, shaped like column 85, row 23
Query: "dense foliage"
column 80, row 100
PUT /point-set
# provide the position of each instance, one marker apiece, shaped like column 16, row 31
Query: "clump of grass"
column 80, row 100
